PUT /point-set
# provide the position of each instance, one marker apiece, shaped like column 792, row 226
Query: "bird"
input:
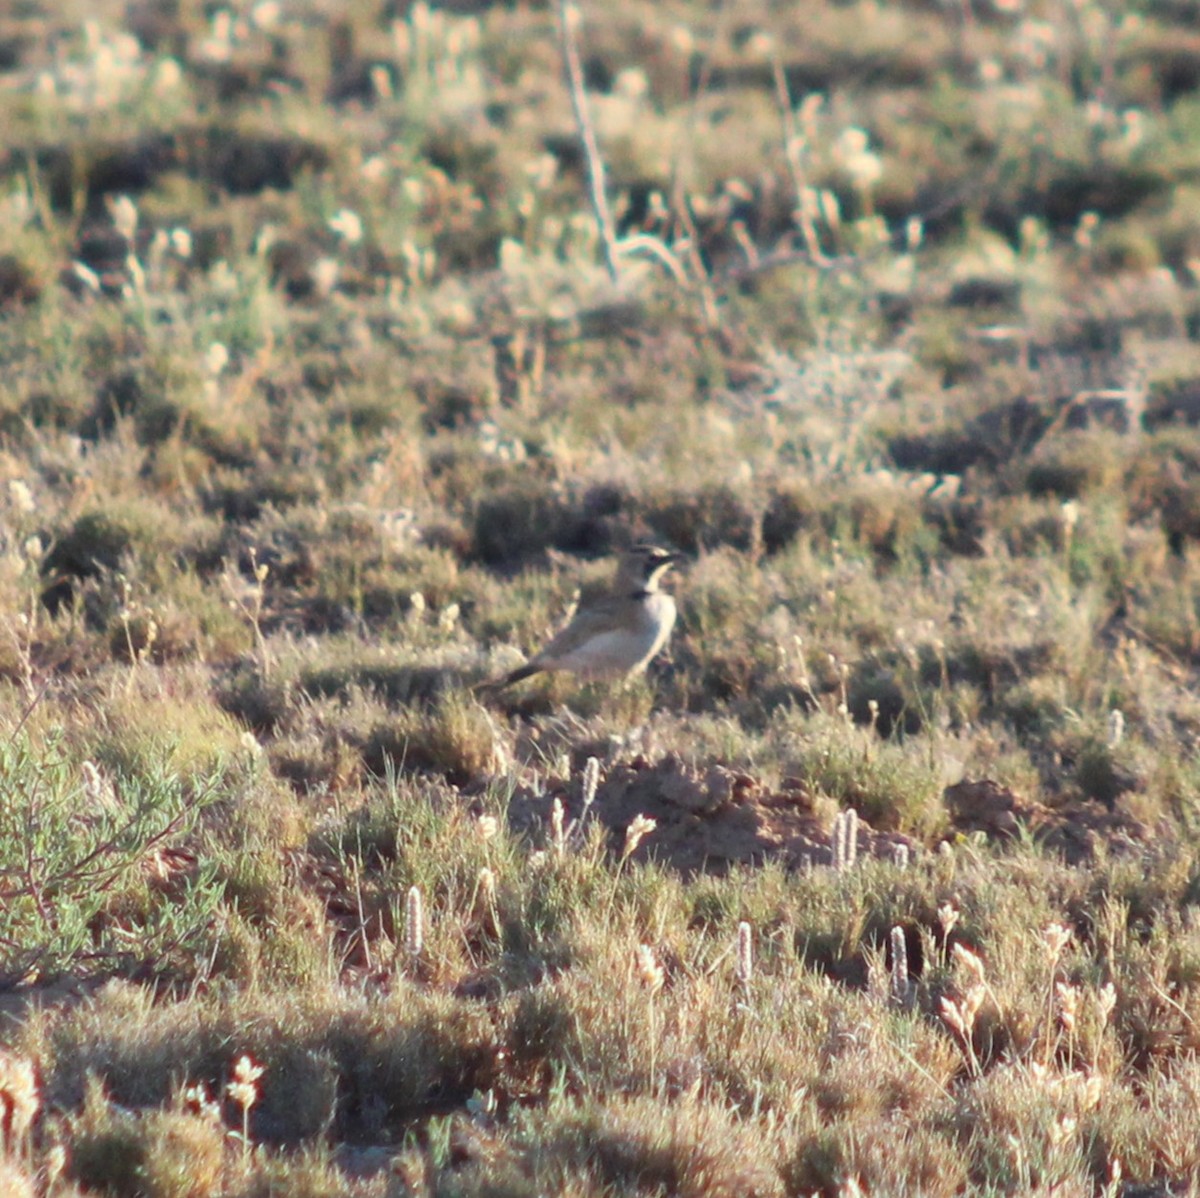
column 618, row 634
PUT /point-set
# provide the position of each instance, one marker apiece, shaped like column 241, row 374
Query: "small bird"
column 619, row 633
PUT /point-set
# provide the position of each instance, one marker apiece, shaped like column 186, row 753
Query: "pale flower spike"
column 745, row 953
column 414, row 922
column 638, row 830
column 648, row 969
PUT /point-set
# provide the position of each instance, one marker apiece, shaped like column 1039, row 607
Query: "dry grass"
column 319, row 406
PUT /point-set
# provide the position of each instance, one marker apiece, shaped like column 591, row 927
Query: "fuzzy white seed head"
column 638, row 830
column 969, row 963
column 414, row 922
column 648, row 969
column 591, row 780
column 948, row 915
column 243, row 1089
column 558, row 834
column 1056, row 937
column 745, row 953
column 899, row 978
column 1068, row 1005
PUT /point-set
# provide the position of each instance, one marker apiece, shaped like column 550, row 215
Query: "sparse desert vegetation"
column 325, row 395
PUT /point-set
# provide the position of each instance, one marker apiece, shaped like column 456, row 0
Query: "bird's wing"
column 604, row 616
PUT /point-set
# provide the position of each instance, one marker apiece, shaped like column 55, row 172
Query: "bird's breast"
column 658, row 615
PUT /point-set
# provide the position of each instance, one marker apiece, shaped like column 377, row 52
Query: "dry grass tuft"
column 342, row 343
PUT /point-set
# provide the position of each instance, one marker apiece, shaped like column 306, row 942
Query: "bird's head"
column 643, row 566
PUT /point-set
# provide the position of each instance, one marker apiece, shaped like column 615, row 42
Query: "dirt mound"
column 707, row 819
column 988, row 807
column 1075, row 829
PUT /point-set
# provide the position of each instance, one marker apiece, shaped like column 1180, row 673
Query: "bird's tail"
column 499, row 684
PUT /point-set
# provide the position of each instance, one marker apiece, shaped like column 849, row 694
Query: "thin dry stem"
column 793, row 153
column 569, row 20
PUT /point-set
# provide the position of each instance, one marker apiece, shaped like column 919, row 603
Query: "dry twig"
column 569, row 21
